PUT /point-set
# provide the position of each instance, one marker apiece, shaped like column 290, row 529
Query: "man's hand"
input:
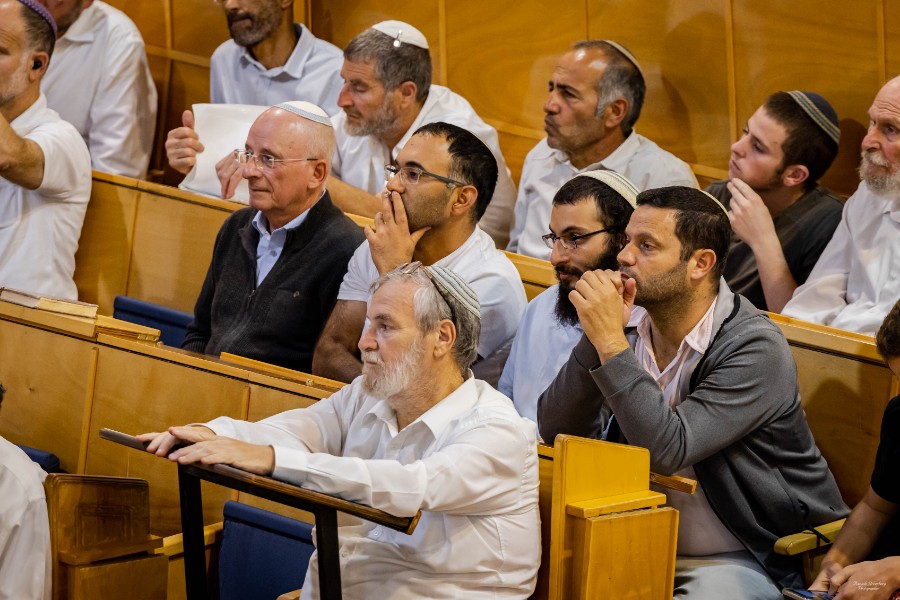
column 749, row 216
column 209, row 449
column 230, row 172
column 869, row 580
column 162, row 443
column 391, row 241
column 604, row 302
column 183, row 144
column 823, row 579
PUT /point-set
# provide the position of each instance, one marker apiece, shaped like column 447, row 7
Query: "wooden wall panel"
column 150, row 16
column 891, row 35
column 198, row 27
column 188, row 85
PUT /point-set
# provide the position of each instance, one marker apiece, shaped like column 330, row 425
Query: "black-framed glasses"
column 412, row 175
column 411, row 267
column 264, row 161
column 570, row 242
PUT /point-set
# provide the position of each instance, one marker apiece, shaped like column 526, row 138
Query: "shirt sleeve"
column 361, row 273
column 67, row 163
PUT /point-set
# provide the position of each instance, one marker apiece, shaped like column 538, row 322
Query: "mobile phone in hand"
column 797, row 594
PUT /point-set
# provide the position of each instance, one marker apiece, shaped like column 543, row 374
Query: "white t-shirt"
column 856, row 280
column 39, row 229
column 312, row 74
column 98, row 80
column 493, row 277
column 545, row 170
column 360, row 160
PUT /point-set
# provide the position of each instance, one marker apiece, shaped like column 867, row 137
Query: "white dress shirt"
column 360, row 160
column 490, row 273
column 856, row 280
column 541, row 348
column 545, row 170
column 469, row 464
column 39, row 229
column 312, row 74
column 25, row 561
column 98, row 80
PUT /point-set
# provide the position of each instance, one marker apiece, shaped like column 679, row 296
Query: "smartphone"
column 806, row 594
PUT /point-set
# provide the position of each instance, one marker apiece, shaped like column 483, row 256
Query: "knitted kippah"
column 626, row 53
column 307, row 110
column 820, row 111
column 716, row 200
column 43, row 12
column 619, row 183
column 451, row 283
column 403, row 33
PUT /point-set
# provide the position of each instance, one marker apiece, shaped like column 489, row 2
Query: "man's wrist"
column 608, row 349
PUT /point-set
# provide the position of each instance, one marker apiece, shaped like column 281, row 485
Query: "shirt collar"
column 617, row 160
column 697, row 339
column 430, row 100
column 83, row 29
column 261, row 223
column 296, row 61
column 31, row 117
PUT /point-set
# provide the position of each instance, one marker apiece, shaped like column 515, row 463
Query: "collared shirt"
column 312, row 74
column 700, row 531
column 541, row 347
column 360, row 160
column 545, row 170
column 98, row 80
column 39, row 229
column 469, row 464
column 270, row 245
column 856, row 281
column 25, row 560
column 490, row 273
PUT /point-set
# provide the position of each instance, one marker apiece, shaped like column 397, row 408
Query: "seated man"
column 697, row 375
column 269, row 59
column 439, row 188
column 857, row 279
column 100, row 83
column 277, row 265
column 596, row 94
column 45, row 168
column 864, row 561
column 781, row 219
column 415, row 432
column 587, row 231
column 388, row 95
column 25, row 558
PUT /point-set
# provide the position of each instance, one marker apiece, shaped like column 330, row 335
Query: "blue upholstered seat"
column 171, row 323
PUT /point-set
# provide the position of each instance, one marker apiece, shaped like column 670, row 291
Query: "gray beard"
column 880, row 184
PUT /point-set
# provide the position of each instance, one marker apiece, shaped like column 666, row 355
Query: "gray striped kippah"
column 43, row 12
column 820, row 111
column 618, row 182
column 307, row 110
column 626, row 53
column 451, row 283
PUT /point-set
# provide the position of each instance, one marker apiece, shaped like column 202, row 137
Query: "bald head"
column 315, row 137
column 880, row 166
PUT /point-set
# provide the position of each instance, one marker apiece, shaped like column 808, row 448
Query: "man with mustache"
column 596, row 94
column 435, row 195
column 269, row 59
column 587, row 231
column 857, row 279
column 673, row 361
column 782, row 220
column 415, row 432
column 388, row 95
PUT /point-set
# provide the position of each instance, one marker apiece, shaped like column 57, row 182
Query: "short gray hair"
column 393, row 65
column 621, row 79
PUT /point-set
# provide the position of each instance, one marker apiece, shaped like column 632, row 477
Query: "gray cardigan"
column 740, row 425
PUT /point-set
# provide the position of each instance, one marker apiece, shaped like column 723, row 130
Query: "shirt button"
column 272, row 253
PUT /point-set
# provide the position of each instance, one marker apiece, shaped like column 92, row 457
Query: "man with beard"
column 268, row 60
column 781, row 219
column 857, row 279
column 436, row 192
column 587, row 231
column 416, row 432
column 100, row 83
column 704, row 381
column 45, row 168
column 596, row 94
column 388, row 95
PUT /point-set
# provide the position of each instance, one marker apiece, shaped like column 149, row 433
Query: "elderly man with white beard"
column 856, row 280
column 414, row 432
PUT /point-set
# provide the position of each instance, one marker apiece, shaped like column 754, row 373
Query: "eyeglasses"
column 264, row 161
column 570, row 242
column 411, row 267
column 411, row 175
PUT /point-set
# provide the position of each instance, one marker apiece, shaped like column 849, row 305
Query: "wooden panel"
column 686, row 110
column 172, row 249
column 160, row 70
column 149, row 16
column 188, row 85
column 198, row 26
column 136, row 578
column 45, row 375
column 892, row 40
column 134, row 394
column 833, row 50
column 515, row 148
column 104, row 250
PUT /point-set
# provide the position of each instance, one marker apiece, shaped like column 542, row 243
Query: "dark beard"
column 566, row 315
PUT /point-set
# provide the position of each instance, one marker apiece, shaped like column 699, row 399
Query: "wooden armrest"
column 798, row 543
column 675, row 482
column 173, row 545
column 295, row 595
column 109, row 551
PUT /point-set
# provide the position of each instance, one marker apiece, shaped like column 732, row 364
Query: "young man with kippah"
column 782, row 219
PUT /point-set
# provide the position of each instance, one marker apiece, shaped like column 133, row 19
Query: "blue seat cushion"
column 172, row 324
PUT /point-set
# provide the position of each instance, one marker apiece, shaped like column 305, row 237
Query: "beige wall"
column 708, row 63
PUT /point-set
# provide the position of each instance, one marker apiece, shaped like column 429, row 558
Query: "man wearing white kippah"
column 100, row 83
column 857, row 279
column 586, row 232
column 277, row 265
column 415, row 432
column 45, row 168
column 596, row 94
column 387, row 95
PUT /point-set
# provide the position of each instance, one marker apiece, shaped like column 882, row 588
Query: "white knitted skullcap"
column 618, row 182
column 307, row 110
column 403, row 33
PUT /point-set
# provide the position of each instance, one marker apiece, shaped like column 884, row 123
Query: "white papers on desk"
column 222, row 128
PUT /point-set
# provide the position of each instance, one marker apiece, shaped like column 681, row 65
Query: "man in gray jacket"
column 707, row 383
